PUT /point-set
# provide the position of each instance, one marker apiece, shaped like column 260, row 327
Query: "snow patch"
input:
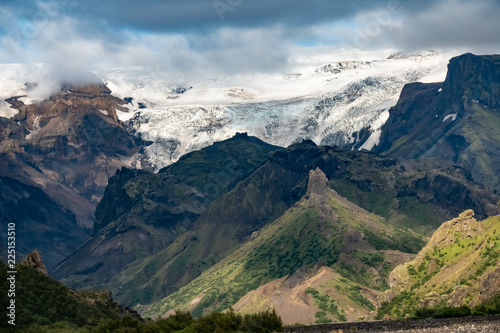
column 453, row 117
column 125, row 116
column 36, row 128
column 6, row 111
column 374, row 139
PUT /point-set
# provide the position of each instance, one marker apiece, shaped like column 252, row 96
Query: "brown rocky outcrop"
column 34, row 260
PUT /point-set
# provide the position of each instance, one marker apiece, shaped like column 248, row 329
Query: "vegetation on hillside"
column 456, row 274
column 41, row 300
column 158, row 232
column 227, row 322
column 45, row 305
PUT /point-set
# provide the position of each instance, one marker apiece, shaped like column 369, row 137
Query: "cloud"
column 468, row 25
column 181, row 15
column 194, row 38
column 69, row 51
column 457, row 25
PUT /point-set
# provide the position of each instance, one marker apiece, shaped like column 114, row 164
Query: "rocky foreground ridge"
column 488, row 324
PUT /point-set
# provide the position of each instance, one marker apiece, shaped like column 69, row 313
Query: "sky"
column 204, row 37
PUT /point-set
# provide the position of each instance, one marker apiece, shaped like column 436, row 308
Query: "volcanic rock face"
column 318, row 183
column 76, row 138
column 474, row 78
column 62, row 151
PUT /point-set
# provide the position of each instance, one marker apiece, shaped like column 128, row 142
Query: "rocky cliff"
column 454, row 121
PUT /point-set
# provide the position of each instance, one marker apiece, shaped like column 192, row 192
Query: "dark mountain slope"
column 39, row 221
column 142, row 213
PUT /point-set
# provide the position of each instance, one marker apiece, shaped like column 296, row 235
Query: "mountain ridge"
column 268, row 189
column 160, row 207
column 330, row 227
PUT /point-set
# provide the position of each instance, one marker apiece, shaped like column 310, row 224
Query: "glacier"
column 327, row 103
column 329, row 97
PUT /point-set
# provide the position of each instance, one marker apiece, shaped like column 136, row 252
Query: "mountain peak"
column 318, row 183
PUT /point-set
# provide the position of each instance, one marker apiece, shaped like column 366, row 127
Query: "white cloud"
column 70, row 43
column 471, row 26
column 68, row 50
